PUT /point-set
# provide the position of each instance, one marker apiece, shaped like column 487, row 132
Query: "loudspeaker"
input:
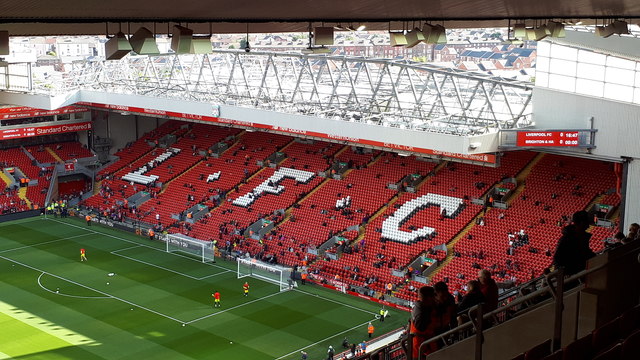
column 605, row 31
column 414, row 37
column 201, row 45
column 181, row 39
column 4, row 42
column 519, row 31
column 323, row 36
column 620, row 27
column 542, row 32
column 441, row 35
column 117, row 47
column 556, row 28
column 144, row 43
column 397, row 39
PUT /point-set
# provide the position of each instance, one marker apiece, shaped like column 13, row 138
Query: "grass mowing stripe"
column 337, row 302
column 231, row 308
column 157, row 266
column 133, row 242
column 90, row 288
column 42, row 243
column 167, row 269
column 323, row 340
column 127, row 248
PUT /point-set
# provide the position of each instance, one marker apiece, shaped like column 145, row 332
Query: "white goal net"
column 275, row 274
column 204, row 250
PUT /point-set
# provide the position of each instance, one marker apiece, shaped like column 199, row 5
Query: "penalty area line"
column 157, row 266
column 90, row 288
column 231, row 308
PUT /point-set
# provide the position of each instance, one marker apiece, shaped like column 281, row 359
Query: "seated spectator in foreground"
column 424, row 322
column 633, row 233
column 446, row 307
column 489, row 289
column 473, row 297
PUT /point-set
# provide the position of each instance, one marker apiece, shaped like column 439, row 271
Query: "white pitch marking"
column 335, row 301
column 67, row 295
column 90, row 288
column 231, row 308
column 164, row 268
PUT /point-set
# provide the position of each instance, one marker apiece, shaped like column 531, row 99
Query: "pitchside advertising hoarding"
column 29, row 131
column 547, row 138
column 486, row 158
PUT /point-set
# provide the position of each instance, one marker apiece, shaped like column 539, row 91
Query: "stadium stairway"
column 165, row 186
column 53, row 153
column 5, row 178
column 22, row 193
column 287, row 215
column 339, row 152
column 289, row 210
column 522, row 175
column 452, row 244
column 97, row 187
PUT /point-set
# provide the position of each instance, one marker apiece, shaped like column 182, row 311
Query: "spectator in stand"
column 573, row 249
column 633, row 233
column 489, row 289
column 473, row 297
column 446, row 307
column 425, row 321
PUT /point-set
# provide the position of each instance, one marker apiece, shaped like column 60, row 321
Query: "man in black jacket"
column 573, row 249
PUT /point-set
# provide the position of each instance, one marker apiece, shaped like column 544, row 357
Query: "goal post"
column 274, row 274
column 204, row 250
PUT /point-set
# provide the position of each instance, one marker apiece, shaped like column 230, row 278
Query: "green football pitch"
column 157, row 305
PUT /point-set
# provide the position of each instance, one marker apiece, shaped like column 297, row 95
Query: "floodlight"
column 519, row 31
column 620, row 27
column 397, row 38
column 441, row 34
column 541, row 32
column 201, row 45
column 556, row 28
column 605, row 31
column 117, row 47
column 4, row 42
column 323, row 36
column 181, row 39
column 414, row 37
column 144, row 43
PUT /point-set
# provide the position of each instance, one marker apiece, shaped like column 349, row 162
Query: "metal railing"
column 553, row 291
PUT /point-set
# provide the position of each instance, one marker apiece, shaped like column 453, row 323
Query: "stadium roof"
column 36, row 17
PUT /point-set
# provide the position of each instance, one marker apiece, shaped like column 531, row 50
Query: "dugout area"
column 54, row 306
